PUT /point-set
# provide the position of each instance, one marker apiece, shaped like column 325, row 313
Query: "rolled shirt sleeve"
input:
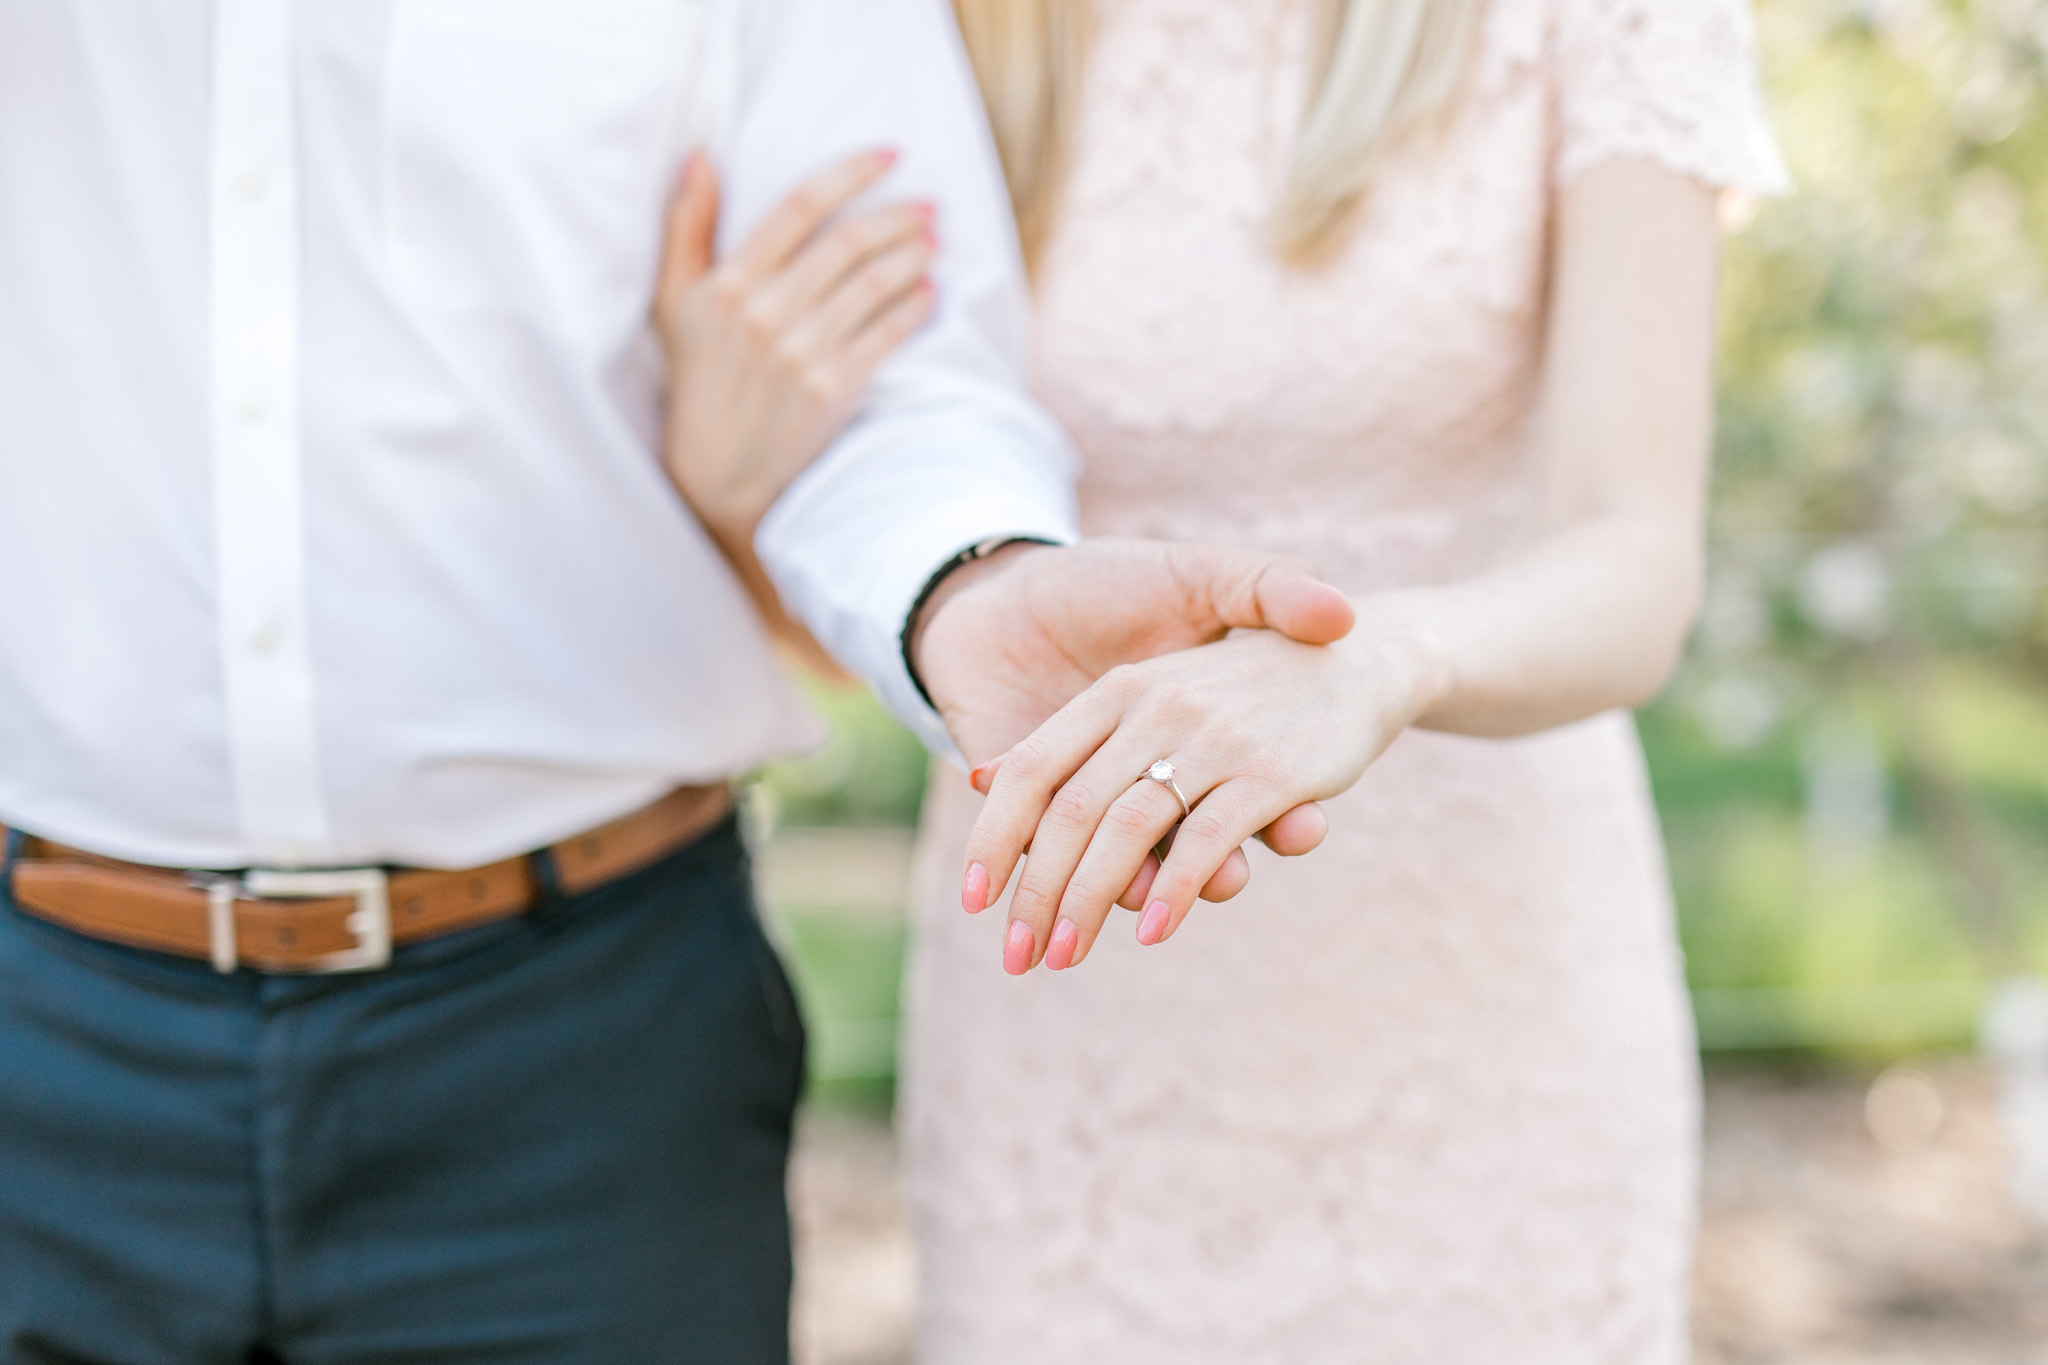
column 948, row 450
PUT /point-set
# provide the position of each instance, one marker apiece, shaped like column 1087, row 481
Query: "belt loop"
column 223, row 949
column 16, row 841
column 549, row 899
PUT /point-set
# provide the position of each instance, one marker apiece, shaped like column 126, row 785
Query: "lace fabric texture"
column 1428, row 1095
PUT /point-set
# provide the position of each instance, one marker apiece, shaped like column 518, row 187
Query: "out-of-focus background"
column 1852, row 768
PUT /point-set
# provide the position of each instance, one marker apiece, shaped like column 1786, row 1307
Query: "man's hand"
column 1008, row 641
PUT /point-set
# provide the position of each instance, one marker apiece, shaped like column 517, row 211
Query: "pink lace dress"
column 1429, row 1095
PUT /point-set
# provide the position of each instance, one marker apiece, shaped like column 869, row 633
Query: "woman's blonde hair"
column 1385, row 69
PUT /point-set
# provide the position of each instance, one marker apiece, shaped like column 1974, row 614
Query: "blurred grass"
column 848, row 975
column 1863, row 950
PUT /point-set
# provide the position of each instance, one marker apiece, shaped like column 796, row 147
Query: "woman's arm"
column 1594, row 614
column 1590, row 615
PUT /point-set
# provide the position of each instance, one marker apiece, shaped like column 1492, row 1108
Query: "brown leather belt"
column 333, row 921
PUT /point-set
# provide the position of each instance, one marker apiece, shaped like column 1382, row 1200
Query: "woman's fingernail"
column 926, row 209
column 1059, row 949
column 974, row 889
column 1018, row 947
column 1152, row 928
column 984, row 777
column 886, row 156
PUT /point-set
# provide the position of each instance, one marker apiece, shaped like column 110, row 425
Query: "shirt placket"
column 258, row 480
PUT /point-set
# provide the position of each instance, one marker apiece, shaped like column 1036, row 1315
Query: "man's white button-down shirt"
column 332, row 529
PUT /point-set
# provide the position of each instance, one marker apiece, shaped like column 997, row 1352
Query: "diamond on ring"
column 1162, row 773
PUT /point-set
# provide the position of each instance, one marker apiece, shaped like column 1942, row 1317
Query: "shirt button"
column 265, row 639
column 252, row 184
column 253, row 409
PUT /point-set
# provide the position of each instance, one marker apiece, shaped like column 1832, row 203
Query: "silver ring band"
column 1162, row 773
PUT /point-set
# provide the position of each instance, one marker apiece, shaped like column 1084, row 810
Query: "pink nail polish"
column 974, row 889
column 1017, row 948
column 1152, row 928
column 1059, row 949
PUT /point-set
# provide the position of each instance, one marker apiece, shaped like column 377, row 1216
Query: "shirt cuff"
column 921, row 552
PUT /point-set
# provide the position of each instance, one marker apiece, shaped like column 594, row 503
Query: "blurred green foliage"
column 1883, row 458
column 1852, row 767
column 870, row 772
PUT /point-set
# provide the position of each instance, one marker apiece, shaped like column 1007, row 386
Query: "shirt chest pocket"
column 529, row 150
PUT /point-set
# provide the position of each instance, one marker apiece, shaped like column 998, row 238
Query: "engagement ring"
column 1162, row 773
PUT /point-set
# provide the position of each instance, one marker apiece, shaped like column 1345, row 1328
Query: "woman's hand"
column 1255, row 726
column 771, row 348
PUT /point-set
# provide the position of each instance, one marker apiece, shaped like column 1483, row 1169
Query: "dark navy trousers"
column 558, row 1138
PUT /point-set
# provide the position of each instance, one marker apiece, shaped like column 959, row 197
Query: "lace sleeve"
column 1675, row 81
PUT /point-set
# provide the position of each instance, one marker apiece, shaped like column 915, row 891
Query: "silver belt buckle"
column 370, row 921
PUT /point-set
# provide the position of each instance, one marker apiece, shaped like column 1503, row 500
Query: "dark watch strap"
column 978, row 551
